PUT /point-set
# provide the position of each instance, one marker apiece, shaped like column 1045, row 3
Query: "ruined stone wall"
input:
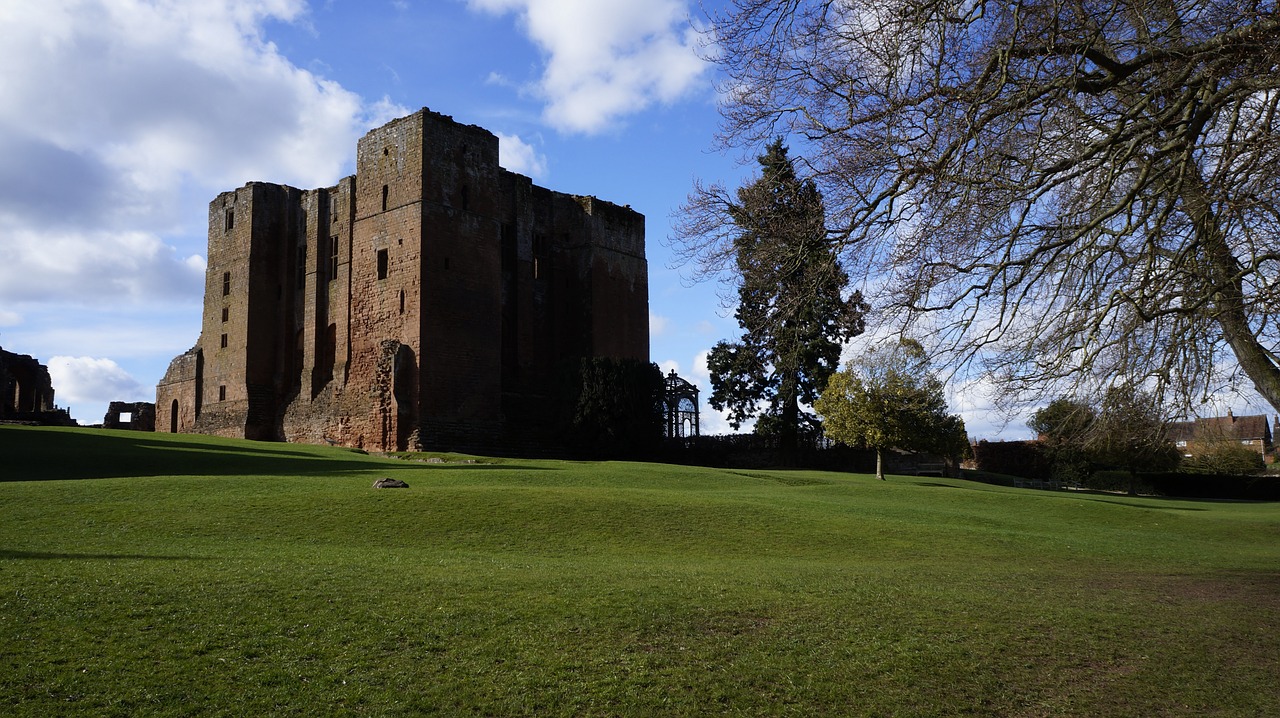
column 386, row 280
column 223, row 344
column 248, row 339
column 460, row 365
column 141, row 416
column 317, row 409
column 26, row 391
column 456, row 291
column 618, row 288
column 178, row 394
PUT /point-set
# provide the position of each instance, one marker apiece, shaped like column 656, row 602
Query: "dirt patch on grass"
column 1260, row 589
column 1158, row 645
column 733, row 624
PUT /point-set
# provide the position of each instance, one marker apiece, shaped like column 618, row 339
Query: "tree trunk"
column 1228, row 307
column 788, row 432
column 879, row 463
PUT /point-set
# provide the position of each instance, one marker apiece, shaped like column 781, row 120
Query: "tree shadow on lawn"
column 52, row 455
column 1103, row 497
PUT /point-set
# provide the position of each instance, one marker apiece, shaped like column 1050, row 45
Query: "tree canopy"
column 887, row 399
column 790, row 302
column 1053, row 190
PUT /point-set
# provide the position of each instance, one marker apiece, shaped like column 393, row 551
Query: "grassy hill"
column 146, row 574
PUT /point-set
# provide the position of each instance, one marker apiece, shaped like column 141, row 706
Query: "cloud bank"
column 88, row 385
column 606, row 59
column 519, row 156
column 116, row 117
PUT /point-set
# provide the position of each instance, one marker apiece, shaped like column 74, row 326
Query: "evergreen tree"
column 613, row 408
column 791, row 305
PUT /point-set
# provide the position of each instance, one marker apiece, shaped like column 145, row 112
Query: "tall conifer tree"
column 791, row 304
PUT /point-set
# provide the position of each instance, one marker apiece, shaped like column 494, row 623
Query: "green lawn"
column 145, row 574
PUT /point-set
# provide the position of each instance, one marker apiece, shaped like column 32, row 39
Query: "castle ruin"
column 26, row 392
column 428, row 302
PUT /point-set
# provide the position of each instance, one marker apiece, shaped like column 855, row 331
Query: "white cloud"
column 9, row 319
column 669, row 365
column 497, row 79
column 700, row 369
column 519, row 156
column 657, row 324
column 974, row 401
column 121, row 266
column 606, row 59
column 88, row 385
column 117, row 119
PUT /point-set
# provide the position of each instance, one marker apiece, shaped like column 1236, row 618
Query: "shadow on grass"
column 62, row 454
column 47, row 556
column 1165, row 502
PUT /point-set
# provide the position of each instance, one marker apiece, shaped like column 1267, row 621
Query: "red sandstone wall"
column 461, row 362
column 223, row 395
column 178, row 394
column 440, row 327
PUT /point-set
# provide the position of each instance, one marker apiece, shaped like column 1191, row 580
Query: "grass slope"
column 145, row 574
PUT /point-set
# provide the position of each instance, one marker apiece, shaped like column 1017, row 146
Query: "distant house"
column 1193, row 437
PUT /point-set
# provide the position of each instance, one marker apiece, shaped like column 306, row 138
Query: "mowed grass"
column 146, row 574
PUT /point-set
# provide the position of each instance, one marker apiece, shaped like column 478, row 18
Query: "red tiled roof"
column 1218, row 428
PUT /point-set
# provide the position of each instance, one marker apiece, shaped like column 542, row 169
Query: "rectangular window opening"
column 226, row 283
column 540, row 252
column 224, row 341
column 230, row 221
column 382, row 264
column 385, row 193
column 222, row 393
column 333, row 258
column 226, row 314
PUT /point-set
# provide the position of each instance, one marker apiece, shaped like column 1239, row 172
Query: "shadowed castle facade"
column 427, row 302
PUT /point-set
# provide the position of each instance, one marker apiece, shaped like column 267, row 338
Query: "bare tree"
column 1051, row 190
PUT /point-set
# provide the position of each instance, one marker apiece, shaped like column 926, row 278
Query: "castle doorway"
column 173, row 417
column 404, row 383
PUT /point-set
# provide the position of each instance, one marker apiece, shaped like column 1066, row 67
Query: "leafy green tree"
column 1064, row 428
column 791, row 303
column 888, row 399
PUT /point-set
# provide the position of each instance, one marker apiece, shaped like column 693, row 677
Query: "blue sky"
column 121, row 119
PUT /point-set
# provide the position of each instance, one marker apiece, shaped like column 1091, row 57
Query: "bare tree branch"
column 1050, row 190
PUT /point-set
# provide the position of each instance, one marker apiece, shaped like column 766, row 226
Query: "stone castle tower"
column 427, row 302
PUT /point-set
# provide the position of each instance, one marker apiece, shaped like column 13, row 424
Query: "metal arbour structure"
column 680, row 408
